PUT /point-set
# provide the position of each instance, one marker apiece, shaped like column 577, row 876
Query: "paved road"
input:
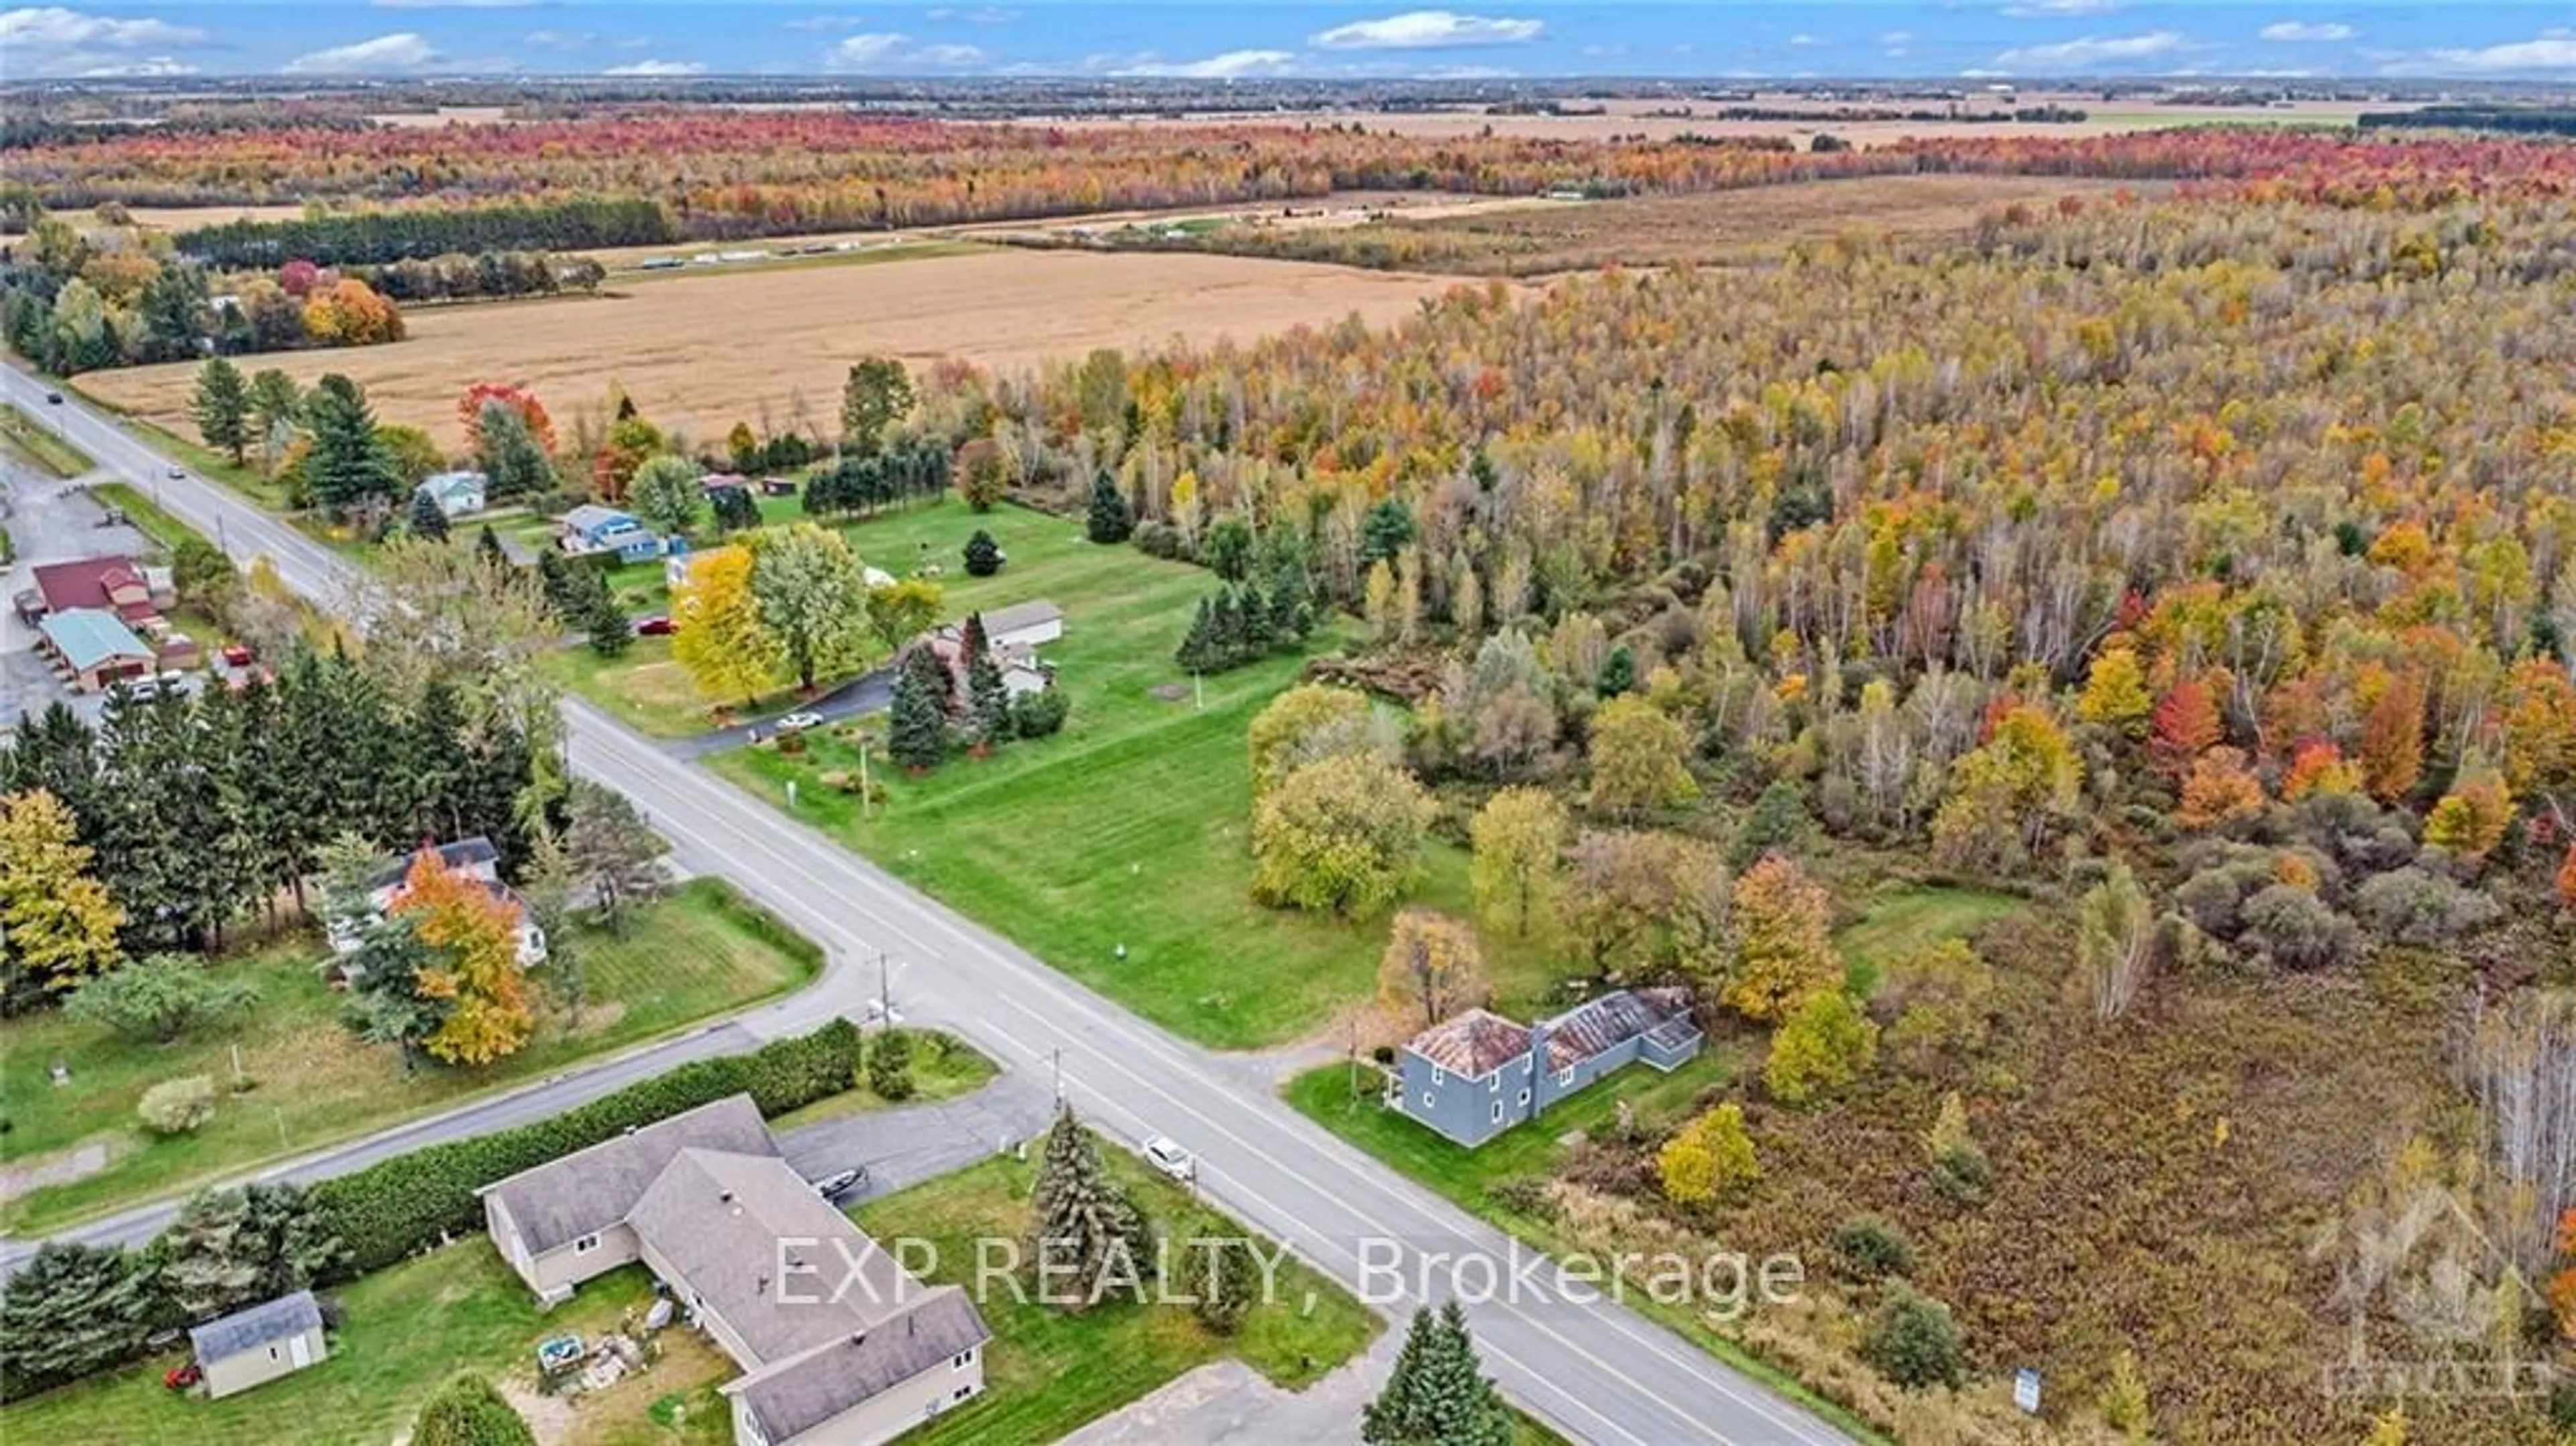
column 1591, row 1369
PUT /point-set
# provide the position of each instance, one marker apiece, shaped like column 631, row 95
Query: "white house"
column 1024, row 625
column 473, row 857
column 456, row 493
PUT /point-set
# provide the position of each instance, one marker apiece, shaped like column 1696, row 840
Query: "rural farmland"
column 678, row 346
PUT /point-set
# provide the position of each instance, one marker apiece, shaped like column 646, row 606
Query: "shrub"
column 397, row 1207
column 178, row 1106
column 983, row 554
column 2297, row 930
column 1960, row 1169
column 1913, row 1342
column 1874, row 1247
column 158, row 997
column 890, row 1066
column 2414, row 907
column 1035, row 715
column 468, row 1412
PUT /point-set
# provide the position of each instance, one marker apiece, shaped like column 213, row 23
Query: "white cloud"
column 2032, row 9
column 1231, row 65
column 827, row 22
column 2550, row 50
column 1429, row 30
column 658, row 68
column 561, row 39
column 894, row 51
column 454, row 4
column 2092, row 50
column 978, row 15
column 402, row 50
column 1802, row 41
column 149, row 68
column 2299, row 32
column 51, row 40
column 1895, row 37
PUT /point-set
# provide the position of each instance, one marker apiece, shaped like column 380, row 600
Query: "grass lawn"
column 700, row 952
column 1127, row 828
column 1896, row 924
column 22, row 437
column 404, row 1331
column 1046, row 1372
column 943, row 1067
column 200, row 459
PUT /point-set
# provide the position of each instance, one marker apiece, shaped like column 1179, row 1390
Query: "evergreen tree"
column 232, row 1248
column 1437, row 1395
column 1197, row 652
column 1090, row 1237
column 734, row 509
column 72, row 1311
column 1108, row 520
column 1618, row 673
column 612, row 852
column 222, row 407
column 565, row 593
column 605, row 624
column 487, row 548
column 1254, row 610
column 983, row 554
column 347, row 467
column 426, row 518
column 917, row 729
column 989, row 701
column 1227, row 1283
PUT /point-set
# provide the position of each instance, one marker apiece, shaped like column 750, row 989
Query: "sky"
column 1222, row 39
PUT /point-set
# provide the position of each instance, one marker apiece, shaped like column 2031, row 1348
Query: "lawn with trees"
column 304, row 1082
column 1048, row 1370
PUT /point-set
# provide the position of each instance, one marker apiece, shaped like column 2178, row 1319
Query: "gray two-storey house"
column 1477, row 1074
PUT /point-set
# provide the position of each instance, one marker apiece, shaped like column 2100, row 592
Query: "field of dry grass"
column 1658, row 230
column 702, row 351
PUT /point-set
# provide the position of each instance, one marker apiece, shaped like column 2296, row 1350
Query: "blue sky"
column 2023, row 38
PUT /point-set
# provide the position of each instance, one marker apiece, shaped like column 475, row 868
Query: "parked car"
column 833, row 1187
column 53, row 399
column 237, row 655
column 656, row 626
column 1165, row 1154
column 178, row 474
column 799, row 722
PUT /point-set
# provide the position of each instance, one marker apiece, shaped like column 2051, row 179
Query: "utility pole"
column 885, row 989
column 1058, row 1055
column 867, row 805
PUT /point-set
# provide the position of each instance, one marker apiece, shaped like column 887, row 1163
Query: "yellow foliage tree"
column 1431, row 968
column 1343, row 834
column 2115, row 692
column 1639, row 757
column 718, row 638
column 2471, row 819
column 1710, row 1156
column 1517, row 837
column 58, row 924
column 1784, row 947
column 1823, row 1045
column 474, row 936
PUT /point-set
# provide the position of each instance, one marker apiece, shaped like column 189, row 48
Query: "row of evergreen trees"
column 1241, row 624
column 376, row 237
column 913, row 469
column 204, row 808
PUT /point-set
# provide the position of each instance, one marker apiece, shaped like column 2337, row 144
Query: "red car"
column 656, row 626
column 181, row 1377
column 237, row 655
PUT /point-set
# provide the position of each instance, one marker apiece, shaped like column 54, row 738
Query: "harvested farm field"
column 701, row 352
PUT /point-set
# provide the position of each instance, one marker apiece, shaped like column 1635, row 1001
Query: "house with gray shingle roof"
column 838, row 1344
column 1476, row 1074
column 255, row 1346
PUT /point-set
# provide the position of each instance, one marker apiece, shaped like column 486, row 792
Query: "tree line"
column 378, row 238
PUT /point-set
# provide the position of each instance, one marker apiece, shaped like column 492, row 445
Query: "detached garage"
column 254, row 1346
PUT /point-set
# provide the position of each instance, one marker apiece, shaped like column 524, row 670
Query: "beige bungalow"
column 838, row 1345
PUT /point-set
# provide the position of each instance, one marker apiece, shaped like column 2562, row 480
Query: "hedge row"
column 399, row 1207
